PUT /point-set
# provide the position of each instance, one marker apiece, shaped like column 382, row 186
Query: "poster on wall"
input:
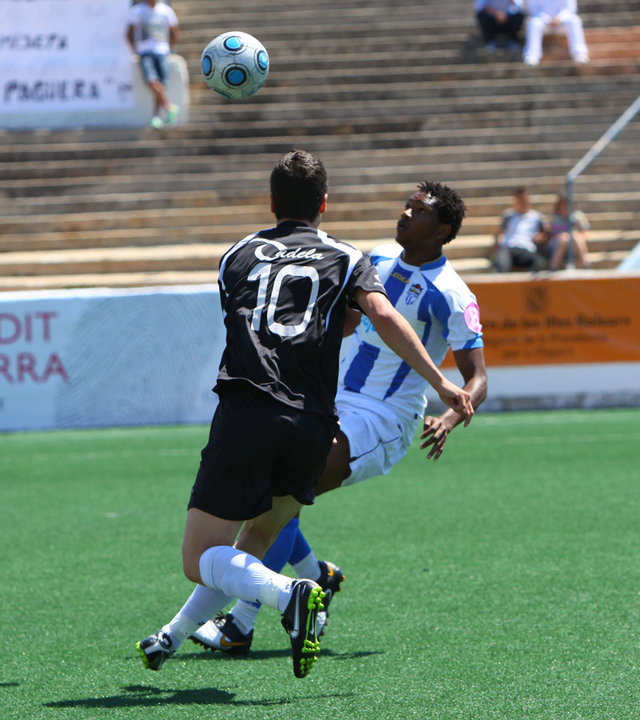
column 108, row 358
column 64, row 55
column 559, row 320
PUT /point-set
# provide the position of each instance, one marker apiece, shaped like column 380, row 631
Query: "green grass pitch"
column 500, row 582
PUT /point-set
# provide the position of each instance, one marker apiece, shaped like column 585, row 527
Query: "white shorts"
column 378, row 438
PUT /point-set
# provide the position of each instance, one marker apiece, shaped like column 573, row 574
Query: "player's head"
column 299, row 187
column 560, row 204
column 432, row 217
column 521, row 199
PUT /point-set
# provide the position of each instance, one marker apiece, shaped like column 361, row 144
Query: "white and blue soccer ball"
column 235, row 64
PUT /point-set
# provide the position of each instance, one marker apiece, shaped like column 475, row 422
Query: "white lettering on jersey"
column 282, row 253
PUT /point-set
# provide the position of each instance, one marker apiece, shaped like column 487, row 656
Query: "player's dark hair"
column 449, row 205
column 298, row 186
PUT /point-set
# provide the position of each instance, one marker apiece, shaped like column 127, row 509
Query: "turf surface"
column 500, row 582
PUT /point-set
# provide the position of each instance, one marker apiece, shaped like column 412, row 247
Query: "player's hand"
column 457, row 399
column 434, row 434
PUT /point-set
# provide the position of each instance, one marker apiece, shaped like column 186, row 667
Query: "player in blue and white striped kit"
column 380, row 400
column 443, row 312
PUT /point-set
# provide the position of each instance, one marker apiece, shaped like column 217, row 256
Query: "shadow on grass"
column 143, row 696
column 269, row 654
column 149, row 696
column 9, row 684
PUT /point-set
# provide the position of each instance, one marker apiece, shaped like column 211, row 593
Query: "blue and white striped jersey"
column 441, row 309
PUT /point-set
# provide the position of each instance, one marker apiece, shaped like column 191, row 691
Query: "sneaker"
column 155, row 649
column 331, row 576
column 223, row 634
column 156, row 122
column 299, row 620
column 172, row 114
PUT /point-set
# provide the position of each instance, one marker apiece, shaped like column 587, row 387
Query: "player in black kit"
column 284, row 293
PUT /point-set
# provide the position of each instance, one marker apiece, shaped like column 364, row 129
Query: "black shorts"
column 259, row 448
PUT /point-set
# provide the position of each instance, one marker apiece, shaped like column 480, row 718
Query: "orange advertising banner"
column 551, row 320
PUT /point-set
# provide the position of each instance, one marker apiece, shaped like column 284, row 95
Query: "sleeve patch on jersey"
column 472, row 317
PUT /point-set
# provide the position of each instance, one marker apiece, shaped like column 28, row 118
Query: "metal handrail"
column 586, row 160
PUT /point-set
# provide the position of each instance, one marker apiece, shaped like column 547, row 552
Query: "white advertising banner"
column 64, row 55
column 106, row 358
column 101, row 358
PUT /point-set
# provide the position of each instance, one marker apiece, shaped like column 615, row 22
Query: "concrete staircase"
column 385, row 95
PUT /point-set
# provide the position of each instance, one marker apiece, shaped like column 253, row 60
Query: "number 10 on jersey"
column 284, row 275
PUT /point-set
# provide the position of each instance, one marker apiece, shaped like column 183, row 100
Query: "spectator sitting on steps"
column 550, row 16
column 500, row 18
column 151, row 31
column 564, row 233
column 519, row 237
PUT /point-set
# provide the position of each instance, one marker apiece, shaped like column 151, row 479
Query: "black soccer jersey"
column 284, row 292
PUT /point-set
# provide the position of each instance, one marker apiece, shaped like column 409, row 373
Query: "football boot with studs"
column 299, row 620
column 331, row 577
column 223, row 634
column 155, row 649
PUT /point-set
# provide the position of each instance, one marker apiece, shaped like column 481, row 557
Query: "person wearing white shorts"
column 380, row 400
column 377, row 440
column 547, row 16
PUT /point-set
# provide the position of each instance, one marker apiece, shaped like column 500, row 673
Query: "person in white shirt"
column 151, row 31
column 548, row 16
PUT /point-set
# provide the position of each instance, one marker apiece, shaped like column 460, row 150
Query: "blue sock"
column 277, row 556
column 300, row 548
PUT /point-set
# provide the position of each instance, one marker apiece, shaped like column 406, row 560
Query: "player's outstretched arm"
column 471, row 365
column 398, row 334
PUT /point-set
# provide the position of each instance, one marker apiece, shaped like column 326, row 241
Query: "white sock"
column 308, row 567
column 202, row 605
column 245, row 615
column 241, row 575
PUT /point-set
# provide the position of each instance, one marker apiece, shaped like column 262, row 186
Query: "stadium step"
column 113, row 280
column 468, row 253
column 141, row 207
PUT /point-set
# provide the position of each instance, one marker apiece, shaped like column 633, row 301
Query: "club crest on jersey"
column 413, row 293
column 472, row 317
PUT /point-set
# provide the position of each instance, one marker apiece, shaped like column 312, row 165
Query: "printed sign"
column 100, row 358
column 555, row 321
column 62, row 55
column 108, row 358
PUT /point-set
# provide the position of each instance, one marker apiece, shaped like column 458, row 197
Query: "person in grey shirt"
column 520, row 236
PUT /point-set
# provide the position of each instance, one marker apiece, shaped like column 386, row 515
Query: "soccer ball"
column 235, row 64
